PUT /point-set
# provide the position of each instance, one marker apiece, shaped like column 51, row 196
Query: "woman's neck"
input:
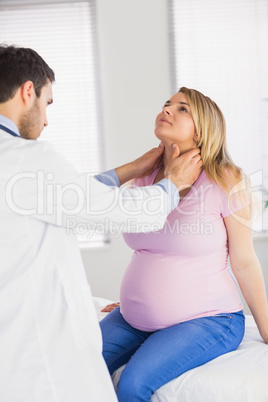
column 167, row 156
column 169, row 152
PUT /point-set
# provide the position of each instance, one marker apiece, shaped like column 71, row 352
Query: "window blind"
column 221, row 49
column 64, row 34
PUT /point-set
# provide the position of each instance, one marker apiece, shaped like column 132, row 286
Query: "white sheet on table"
column 239, row 376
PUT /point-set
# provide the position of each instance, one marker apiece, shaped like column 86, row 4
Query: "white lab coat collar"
column 9, row 124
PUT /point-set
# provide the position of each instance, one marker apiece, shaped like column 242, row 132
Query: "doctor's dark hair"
column 18, row 65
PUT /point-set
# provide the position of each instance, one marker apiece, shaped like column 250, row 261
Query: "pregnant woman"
column 179, row 302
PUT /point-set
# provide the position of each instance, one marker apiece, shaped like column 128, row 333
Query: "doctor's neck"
column 10, row 111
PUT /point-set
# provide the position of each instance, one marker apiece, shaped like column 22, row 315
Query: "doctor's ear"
column 28, row 94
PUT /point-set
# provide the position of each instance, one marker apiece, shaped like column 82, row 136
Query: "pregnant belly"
column 158, row 291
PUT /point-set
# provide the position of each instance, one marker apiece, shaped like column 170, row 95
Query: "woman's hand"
column 142, row 166
column 110, row 307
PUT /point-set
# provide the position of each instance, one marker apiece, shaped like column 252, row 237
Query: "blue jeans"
column 155, row 358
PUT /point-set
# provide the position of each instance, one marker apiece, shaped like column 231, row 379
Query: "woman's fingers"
column 110, row 307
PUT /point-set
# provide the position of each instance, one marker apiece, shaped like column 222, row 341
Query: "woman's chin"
column 164, row 138
column 166, row 141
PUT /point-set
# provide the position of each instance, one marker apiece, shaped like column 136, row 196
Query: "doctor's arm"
column 246, row 267
column 57, row 193
column 152, row 204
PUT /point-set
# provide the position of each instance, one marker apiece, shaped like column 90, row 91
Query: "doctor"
column 50, row 341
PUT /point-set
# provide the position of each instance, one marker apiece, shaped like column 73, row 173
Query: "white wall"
column 135, row 75
column 136, row 81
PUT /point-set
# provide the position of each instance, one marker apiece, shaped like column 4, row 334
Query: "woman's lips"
column 164, row 121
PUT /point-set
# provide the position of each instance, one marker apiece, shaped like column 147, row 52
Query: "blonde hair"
column 211, row 139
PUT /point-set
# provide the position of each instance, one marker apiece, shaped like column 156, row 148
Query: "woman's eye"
column 183, row 109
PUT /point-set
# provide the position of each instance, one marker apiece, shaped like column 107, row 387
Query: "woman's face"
column 175, row 123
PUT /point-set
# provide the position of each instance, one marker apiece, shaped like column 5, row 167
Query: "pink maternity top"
column 181, row 272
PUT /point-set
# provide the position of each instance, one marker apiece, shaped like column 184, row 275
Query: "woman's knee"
column 133, row 387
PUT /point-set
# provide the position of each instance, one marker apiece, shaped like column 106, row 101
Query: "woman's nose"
column 166, row 110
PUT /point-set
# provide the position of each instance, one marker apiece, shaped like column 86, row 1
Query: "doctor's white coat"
column 50, row 340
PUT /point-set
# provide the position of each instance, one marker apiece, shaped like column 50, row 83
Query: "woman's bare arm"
column 246, row 268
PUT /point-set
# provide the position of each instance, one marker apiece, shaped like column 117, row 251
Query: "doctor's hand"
column 183, row 170
column 148, row 162
column 142, row 166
